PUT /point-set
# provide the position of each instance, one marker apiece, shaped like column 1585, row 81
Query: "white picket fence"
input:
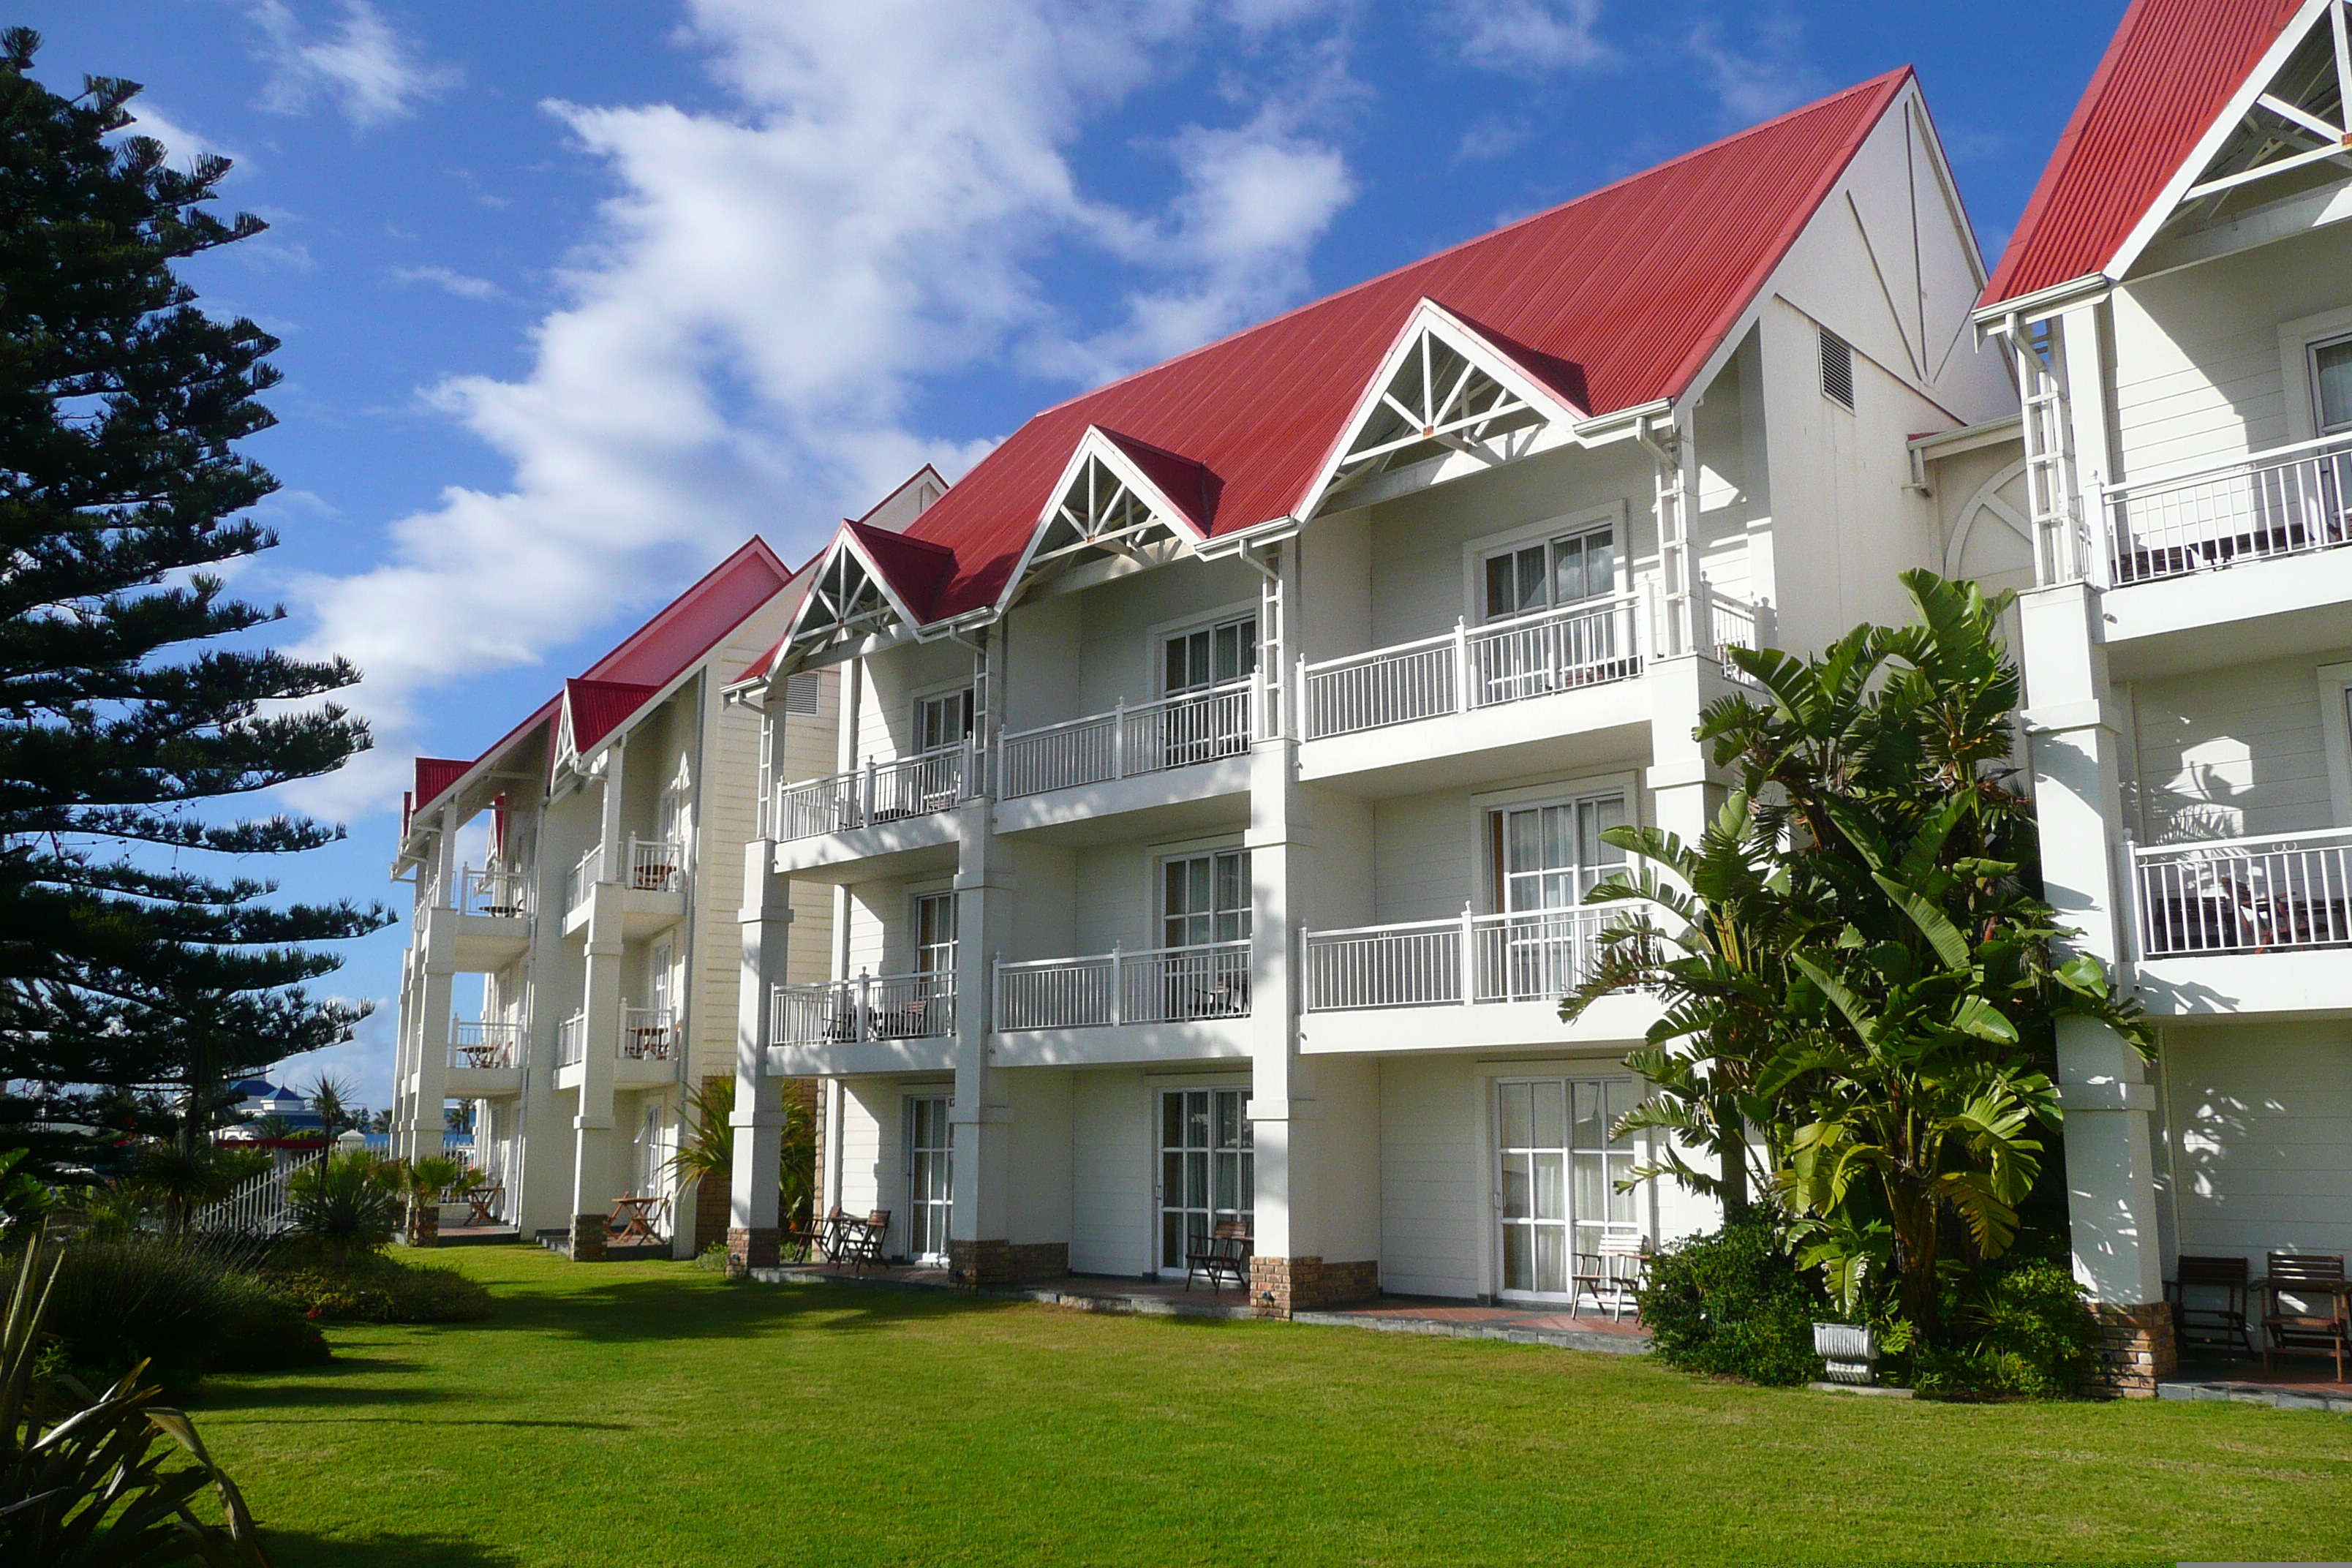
column 261, row 1205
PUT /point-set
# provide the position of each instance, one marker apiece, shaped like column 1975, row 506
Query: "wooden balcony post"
column 865, row 1006
column 1118, row 738
column 1469, row 955
column 865, row 802
column 1298, row 707
column 1462, row 683
column 1118, row 986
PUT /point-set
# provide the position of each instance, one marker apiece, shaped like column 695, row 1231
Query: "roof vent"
column 1837, row 370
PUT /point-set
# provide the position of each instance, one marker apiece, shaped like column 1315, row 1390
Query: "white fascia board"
column 1945, row 444
column 1272, row 530
column 2027, row 309
column 841, row 542
column 1094, row 443
column 1442, row 324
column 2208, row 146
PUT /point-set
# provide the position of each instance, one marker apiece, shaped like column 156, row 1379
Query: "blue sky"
column 576, row 295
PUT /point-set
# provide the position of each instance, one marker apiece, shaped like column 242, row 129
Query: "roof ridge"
column 1378, row 279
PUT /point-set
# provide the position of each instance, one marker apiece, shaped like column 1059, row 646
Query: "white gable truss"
column 848, row 598
column 1103, row 505
column 2282, row 134
column 1442, row 390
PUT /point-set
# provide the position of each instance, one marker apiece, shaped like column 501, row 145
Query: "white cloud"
column 1527, row 37
column 181, row 141
column 458, row 283
column 362, row 65
column 745, row 329
column 1491, row 137
column 1771, row 78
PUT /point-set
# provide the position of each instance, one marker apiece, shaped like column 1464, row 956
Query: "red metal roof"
column 435, row 774
column 656, row 653
column 2170, row 72
column 1616, row 299
column 600, row 707
column 1191, row 489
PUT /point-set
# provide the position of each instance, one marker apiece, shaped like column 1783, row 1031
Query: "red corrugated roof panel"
column 1191, row 489
column 2170, row 72
column 600, row 707
column 1616, row 299
column 435, row 774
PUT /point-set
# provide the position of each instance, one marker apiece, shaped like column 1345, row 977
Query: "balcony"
column 1178, row 1001
column 1132, row 741
column 883, row 792
column 1382, row 981
column 1410, row 713
column 491, row 906
column 571, row 1041
column 653, row 886
column 483, row 1045
column 2244, row 925
column 2290, row 500
column 886, row 1023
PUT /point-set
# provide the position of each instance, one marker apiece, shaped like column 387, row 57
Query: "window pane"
column 1531, row 577
column 1196, row 1181
column 1592, row 1200
column 1518, row 1271
column 1196, row 1119
column 1551, row 1197
column 1588, row 1116
column 1559, row 840
column 1600, row 563
column 1515, row 1100
column 1171, row 1121
column 1551, row 1260
column 1567, row 570
column 1172, row 900
column 1197, row 645
column 1172, row 1240
column 1196, row 886
column 1229, row 1115
column 1228, row 654
column 1175, row 672
column 1525, row 832
column 1515, row 1186
column 2332, row 368
column 1171, row 1179
column 1498, row 587
column 1249, row 645
column 1551, row 1115
column 1249, row 1181
column 1228, row 1169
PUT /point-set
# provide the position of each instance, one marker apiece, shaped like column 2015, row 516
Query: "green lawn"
column 650, row 1414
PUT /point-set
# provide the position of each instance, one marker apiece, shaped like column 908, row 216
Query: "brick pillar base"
column 425, row 1226
column 2137, row 1350
column 589, row 1233
column 1283, row 1287
column 978, row 1265
column 757, row 1247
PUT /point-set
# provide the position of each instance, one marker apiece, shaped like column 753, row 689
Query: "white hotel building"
column 1220, row 762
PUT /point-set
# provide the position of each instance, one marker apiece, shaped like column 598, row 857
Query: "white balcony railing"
column 571, row 1041
column 888, row 791
column 1477, row 667
column 657, row 866
column 1535, row 956
column 2285, row 501
column 485, row 1043
column 2274, row 894
column 649, row 1033
column 493, row 890
column 585, row 873
column 1146, row 738
column 870, row 1007
column 1154, row 986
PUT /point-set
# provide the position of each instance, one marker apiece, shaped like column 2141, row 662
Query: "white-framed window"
column 1557, row 1179
column 1215, row 655
column 2331, row 384
column 942, row 720
column 657, row 989
column 1205, row 897
column 1547, row 854
column 935, row 933
column 1567, row 568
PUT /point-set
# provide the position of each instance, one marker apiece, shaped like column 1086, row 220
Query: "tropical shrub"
column 376, row 1288
column 2020, row 1327
column 1734, row 1304
column 83, row 1477
column 351, row 1201
column 706, row 1148
column 186, row 1307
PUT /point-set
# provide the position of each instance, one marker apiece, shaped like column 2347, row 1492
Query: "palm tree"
column 705, row 1149
column 331, row 1099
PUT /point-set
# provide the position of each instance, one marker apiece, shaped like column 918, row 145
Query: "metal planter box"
column 1849, row 1351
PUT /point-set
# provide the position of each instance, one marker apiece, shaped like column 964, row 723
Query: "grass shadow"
column 633, row 1311
column 308, row 1396
column 295, row 1548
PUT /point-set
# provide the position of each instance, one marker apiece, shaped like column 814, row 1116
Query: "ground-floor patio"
column 656, row 1413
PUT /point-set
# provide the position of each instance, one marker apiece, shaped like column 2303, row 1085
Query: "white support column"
column 765, row 924
column 421, row 1128
column 2072, row 736
column 592, row 1120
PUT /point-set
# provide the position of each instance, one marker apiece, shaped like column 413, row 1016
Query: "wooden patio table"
column 634, row 1214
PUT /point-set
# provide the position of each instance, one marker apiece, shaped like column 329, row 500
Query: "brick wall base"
column 425, row 1226
column 2137, row 1350
column 976, row 1265
column 1281, row 1287
column 589, row 1233
column 757, row 1247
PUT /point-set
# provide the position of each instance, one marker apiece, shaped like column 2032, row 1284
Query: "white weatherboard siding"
column 1110, row 1168
column 1434, row 1212
column 1043, row 1102
column 2261, row 1122
column 2234, row 751
column 2198, row 377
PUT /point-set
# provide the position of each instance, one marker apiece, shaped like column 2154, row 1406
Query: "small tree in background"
column 121, row 403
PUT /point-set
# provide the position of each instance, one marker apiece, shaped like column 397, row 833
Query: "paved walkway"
column 1397, row 1314
column 2290, row 1384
